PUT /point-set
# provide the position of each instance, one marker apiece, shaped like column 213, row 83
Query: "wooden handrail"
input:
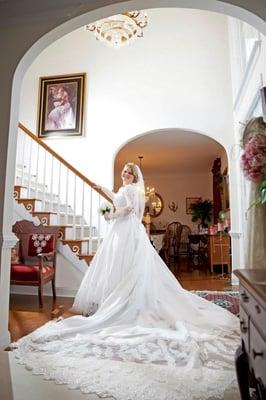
column 61, row 160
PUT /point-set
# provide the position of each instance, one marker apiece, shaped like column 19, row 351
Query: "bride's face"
column 127, row 176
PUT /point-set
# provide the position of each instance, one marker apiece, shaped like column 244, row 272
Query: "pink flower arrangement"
column 253, row 159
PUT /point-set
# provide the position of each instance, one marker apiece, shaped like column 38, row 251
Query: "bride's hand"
column 128, row 210
column 106, row 216
column 97, row 187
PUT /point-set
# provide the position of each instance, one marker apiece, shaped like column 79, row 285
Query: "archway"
column 27, row 47
column 177, row 166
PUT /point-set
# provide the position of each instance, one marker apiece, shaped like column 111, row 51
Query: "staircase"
column 57, row 194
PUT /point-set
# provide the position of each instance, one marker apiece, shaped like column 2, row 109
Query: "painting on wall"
column 189, row 202
column 61, row 105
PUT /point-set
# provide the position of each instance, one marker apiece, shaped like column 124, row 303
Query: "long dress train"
column 147, row 337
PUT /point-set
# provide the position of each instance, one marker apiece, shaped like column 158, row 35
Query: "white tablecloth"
column 157, row 240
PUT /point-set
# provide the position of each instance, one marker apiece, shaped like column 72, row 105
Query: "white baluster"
column 67, row 182
column 99, row 223
column 23, row 159
column 44, row 180
column 59, row 194
column 75, row 208
column 29, row 170
column 90, row 217
column 37, row 170
column 19, row 146
column 52, row 184
column 82, row 210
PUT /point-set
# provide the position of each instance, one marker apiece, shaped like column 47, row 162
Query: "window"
column 249, row 37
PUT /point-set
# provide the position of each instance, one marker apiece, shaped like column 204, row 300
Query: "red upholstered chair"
column 35, row 263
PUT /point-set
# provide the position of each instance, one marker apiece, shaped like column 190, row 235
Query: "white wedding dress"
column 148, row 337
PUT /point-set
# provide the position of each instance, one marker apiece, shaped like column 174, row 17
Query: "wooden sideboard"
column 219, row 250
column 251, row 355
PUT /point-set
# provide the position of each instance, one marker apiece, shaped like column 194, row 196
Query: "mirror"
column 154, row 205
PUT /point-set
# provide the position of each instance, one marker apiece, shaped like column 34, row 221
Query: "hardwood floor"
column 25, row 315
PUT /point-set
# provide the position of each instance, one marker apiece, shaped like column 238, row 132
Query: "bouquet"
column 105, row 207
column 254, row 158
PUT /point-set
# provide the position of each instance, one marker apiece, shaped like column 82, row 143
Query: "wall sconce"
column 173, row 206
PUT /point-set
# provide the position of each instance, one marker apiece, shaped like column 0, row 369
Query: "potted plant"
column 202, row 211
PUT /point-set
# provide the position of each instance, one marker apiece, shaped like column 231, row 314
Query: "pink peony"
column 253, row 160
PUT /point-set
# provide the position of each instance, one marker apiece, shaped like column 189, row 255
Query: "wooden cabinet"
column 219, row 250
column 251, row 355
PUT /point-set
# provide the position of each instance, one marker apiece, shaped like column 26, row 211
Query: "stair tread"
column 84, row 239
column 74, row 240
column 43, row 212
column 71, row 225
column 21, row 186
column 92, row 237
column 28, row 198
column 62, row 225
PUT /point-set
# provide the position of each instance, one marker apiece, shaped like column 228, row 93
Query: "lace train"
column 141, row 367
column 148, row 339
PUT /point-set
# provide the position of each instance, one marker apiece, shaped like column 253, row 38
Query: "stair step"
column 45, row 217
column 62, row 230
column 81, row 246
column 17, row 191
column 30, row 204
column 86, row 257
column 75, row 245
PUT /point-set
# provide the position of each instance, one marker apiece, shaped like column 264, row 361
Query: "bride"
column 140, row 335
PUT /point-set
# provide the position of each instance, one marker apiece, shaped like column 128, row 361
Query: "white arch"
column 177, row 129
column 26, row 61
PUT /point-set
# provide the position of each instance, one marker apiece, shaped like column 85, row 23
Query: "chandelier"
column 149, row 191
column 119, row 29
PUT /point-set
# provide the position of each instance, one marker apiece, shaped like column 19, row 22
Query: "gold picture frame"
column 61, row 105
column 190, row 201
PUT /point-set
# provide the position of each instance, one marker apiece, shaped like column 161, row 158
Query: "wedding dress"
column 145, row 336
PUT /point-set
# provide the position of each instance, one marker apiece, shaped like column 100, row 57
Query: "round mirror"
column 154, row 205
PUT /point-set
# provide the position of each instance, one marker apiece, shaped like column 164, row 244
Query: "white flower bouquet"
column 105, row 207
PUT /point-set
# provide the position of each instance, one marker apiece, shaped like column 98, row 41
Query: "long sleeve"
column 108, row 192
column 131, row 202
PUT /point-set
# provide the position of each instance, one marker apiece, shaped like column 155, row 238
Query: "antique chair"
column 184, row 242
column 34, row 264
column 198, row 249
column 172, row 241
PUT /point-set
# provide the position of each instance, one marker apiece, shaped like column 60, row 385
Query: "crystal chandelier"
column 149, row 191
column 119, row 29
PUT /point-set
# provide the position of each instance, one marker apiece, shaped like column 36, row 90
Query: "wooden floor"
column 25, row 315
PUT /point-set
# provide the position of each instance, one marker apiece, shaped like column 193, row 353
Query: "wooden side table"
column 219, row 250
column 251, row 355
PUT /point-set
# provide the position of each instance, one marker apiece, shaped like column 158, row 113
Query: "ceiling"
column 169, row 151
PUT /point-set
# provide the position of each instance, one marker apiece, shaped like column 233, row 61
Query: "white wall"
column 176, row 76
column 176, row 187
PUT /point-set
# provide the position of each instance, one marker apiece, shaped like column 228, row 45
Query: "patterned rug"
column 228, row 300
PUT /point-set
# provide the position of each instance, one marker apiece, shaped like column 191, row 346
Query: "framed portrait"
column 189, row 202
column 61, row 105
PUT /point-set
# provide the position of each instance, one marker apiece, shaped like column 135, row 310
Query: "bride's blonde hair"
column 133, row 170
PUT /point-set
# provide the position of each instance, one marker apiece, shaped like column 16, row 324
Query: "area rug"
column 228, row 299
